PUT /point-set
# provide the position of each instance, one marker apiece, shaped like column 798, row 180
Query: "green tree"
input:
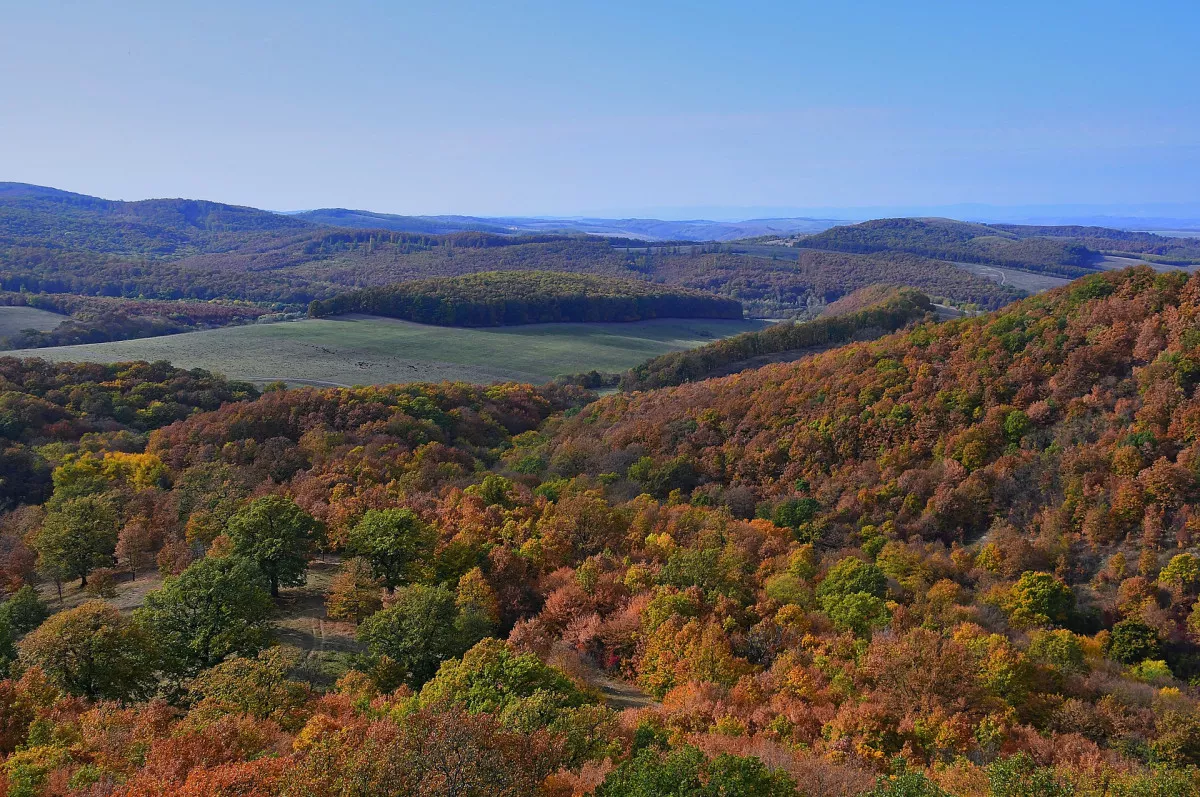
column 491, row 677
column 258, row 687
column 494, row 490
column 1041, row 599
column 77, row 537
column 524, row 694
column 1019, row 776
column 852, row 575
column 1182, row 571
column 215, row 609
column 906, row 784
column 858, row 612
column 478, row 607
column 795, row 512
column 277, row 536
column 19, row 615
column 396, row 543
column 1132, row 641
column 415, row 634
column 93, row 651
column 1058, row 649
column 852, row 595
column 24, row 611
column 685, row 772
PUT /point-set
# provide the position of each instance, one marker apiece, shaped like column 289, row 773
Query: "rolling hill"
column 55, row 242
column 1068, row 251
column 644, row 229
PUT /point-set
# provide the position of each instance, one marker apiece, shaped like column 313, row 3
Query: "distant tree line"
column 676, row 368
column 959, row 241
column 95, row 319
column 501, row 298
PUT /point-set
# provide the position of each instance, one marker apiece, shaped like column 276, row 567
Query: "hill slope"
column 882, row 313
column 36, row 216
column 960, row 559
column 56, row 242
column 956, row 240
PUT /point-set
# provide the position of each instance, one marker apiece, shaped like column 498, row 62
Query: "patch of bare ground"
column 129, row 592
column 616, row 693
column 328, row 646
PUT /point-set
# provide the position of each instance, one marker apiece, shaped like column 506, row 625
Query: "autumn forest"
column 929, row 535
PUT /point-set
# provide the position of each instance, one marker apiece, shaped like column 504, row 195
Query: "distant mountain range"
column 1132, row 216
column 642, row 229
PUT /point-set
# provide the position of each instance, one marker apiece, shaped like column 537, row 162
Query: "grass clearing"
column 362, row 350
column 1023, row 280
column 17, row 319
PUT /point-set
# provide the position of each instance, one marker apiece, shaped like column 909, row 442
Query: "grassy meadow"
column 361, row 350
column 16, row 319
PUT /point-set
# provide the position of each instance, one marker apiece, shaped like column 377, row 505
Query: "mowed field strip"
column 365, row 350
column 18, row 319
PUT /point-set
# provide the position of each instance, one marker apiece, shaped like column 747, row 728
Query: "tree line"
column 702, row 362
column 95, row 319
column 499, row 298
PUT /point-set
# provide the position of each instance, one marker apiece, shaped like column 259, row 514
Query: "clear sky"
column 574, row 107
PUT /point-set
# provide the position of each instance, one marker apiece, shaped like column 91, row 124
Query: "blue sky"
column 654, row 108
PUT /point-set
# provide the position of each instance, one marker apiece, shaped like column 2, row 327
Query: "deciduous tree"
column 216, row 608
column 278, row 536
column 397, row 544
column 93, row 651
column 77, row 537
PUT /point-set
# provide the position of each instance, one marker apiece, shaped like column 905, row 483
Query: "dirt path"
column 130, row 593
column 620, row 695
column 301, row 620
column 294, row 381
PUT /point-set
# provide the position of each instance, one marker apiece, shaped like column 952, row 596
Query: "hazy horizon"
column 569, row 110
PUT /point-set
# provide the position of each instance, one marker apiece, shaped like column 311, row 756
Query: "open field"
column 1175, row 233
column 360, row 350
column 1025, row 280
column 1111, row 262
column 16, row 319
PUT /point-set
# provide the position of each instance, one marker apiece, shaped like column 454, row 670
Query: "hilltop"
column 57, row 242
column 1063, row 251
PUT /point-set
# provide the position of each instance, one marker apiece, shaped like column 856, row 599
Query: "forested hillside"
column 1063, row 251
column 35, row 216
column 55, row 242
column 1150, row 246
column 958, row 241
column 960, row 559
column 48, row 410
column 95, row 319
column 884, row 312
column 498, row 298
